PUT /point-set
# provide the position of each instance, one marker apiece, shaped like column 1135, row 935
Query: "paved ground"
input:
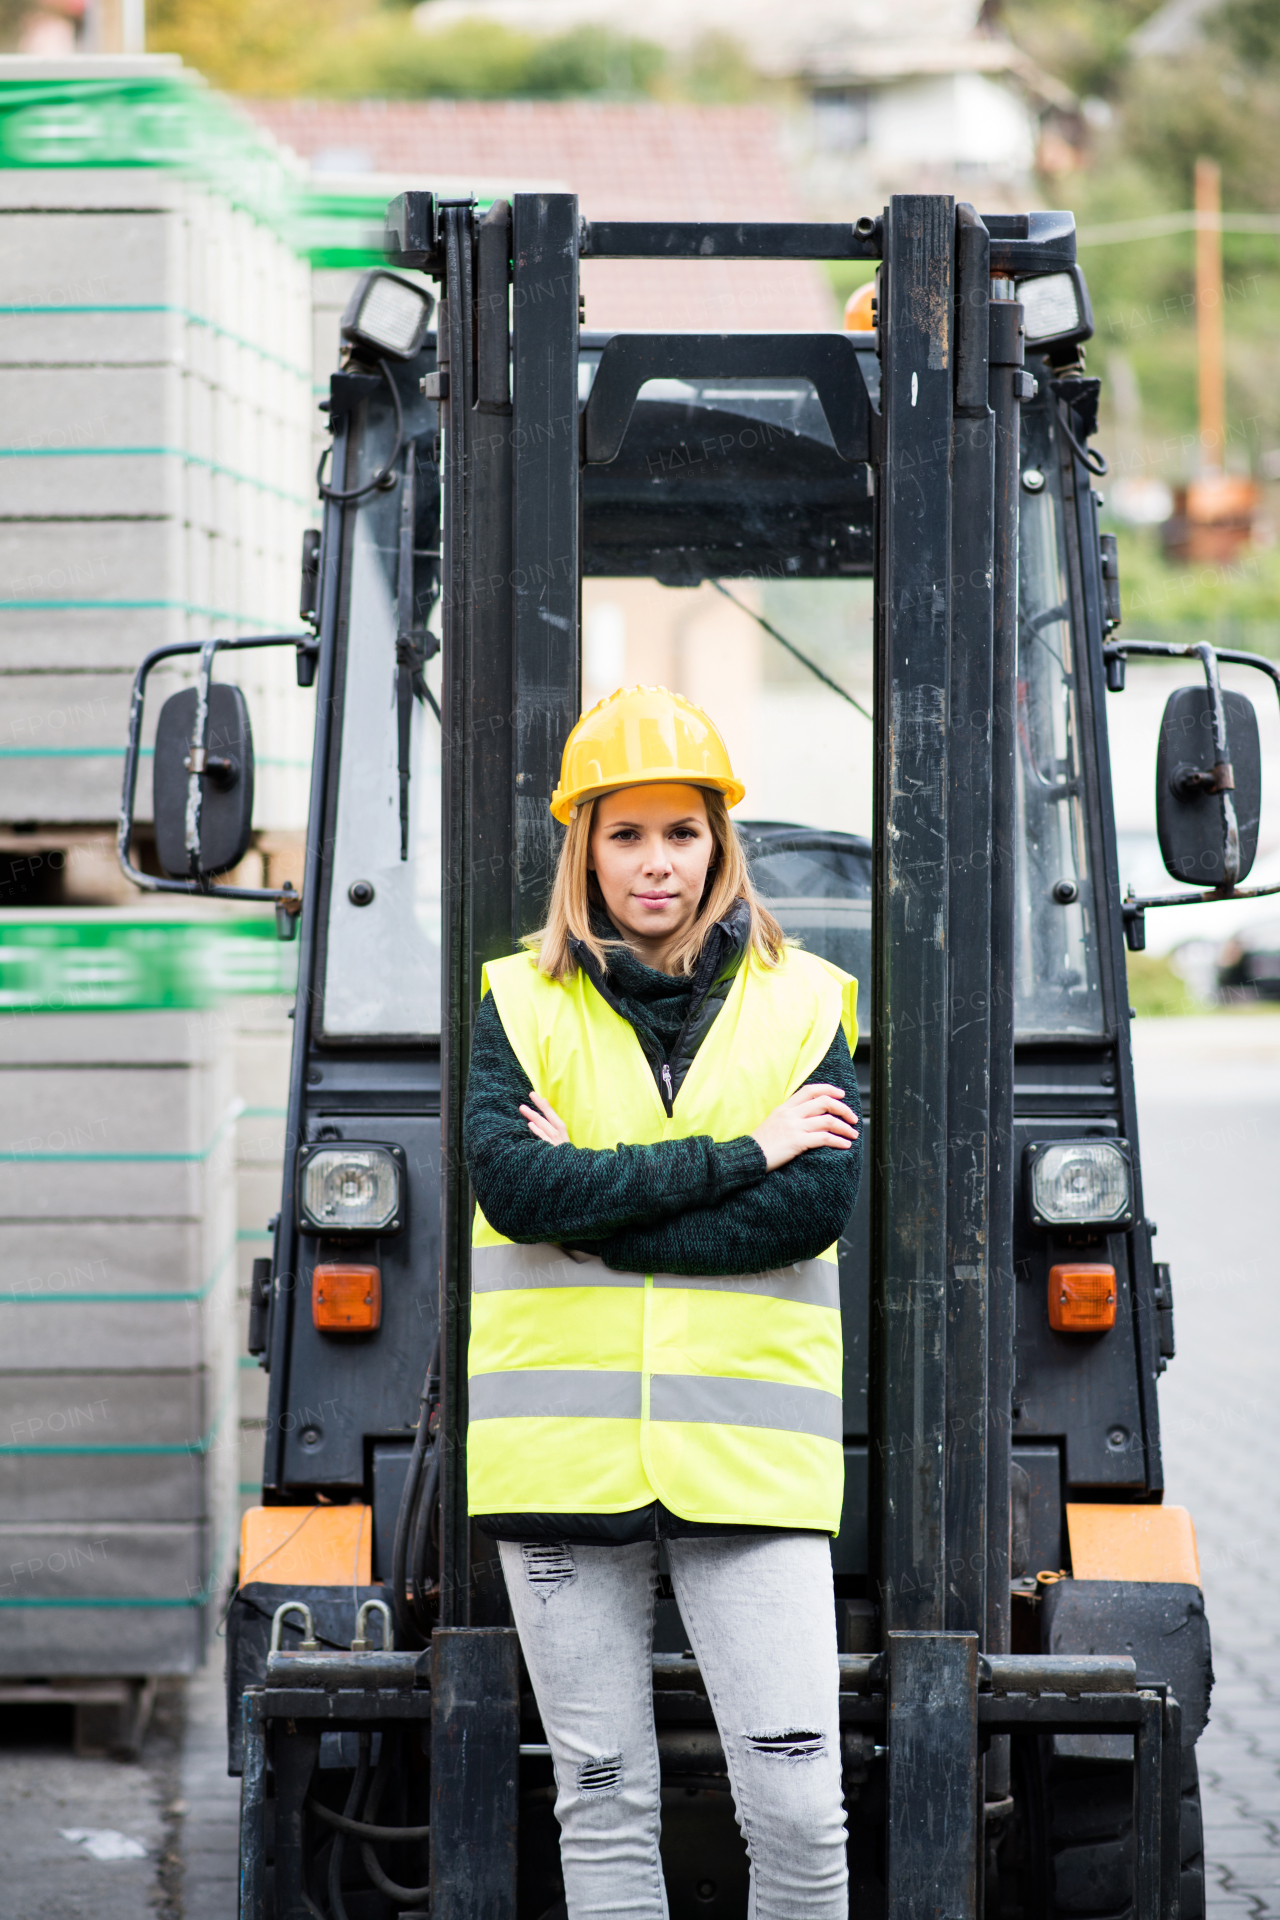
column 210, row 1838
column 1209, row 1092
column 1209, row 1099
column 176, row 1802
column 43, row 1791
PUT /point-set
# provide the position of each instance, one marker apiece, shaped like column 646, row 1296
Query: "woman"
column 661, row 1129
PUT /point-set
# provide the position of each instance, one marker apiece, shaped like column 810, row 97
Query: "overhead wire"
column 791, row 648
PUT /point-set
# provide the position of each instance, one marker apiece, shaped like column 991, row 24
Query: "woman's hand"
column 545, row 1121
column 814, row 1116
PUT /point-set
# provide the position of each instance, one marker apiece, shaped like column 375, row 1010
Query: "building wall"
column 959, row 120
column 971, row 134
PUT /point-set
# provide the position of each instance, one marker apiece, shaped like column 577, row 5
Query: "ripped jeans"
column 760, row 1616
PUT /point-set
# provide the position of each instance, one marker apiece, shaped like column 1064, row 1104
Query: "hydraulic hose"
column 337, row 1907
column 361, row 1830
column 367, row 1831
column 423, row 1524
column 384, row 1883
column 381, row 478
column 412, row 1626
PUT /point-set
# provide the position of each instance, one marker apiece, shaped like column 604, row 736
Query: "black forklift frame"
column 945, row 1692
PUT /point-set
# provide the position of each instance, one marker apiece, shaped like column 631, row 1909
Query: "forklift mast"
column 478, row 473
column 943, row 443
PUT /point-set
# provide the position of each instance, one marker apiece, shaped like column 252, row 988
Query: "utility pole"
column 1209, row 334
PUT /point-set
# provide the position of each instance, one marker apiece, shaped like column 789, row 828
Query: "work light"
column 1079, row 1183
column 346, row 1189
column 1055, row 307
column 387, row 315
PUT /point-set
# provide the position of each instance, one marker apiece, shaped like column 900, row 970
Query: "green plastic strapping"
column 175, row 123
column 84, row 963
column 30, row 1297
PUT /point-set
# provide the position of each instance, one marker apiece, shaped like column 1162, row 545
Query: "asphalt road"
column 1209, row 1093
column 1209, row 1107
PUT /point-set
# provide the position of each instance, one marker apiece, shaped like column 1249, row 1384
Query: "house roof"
column 625, row 162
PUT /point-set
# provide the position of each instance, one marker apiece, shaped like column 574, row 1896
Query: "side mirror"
column 1193, row 787
column 202, row 789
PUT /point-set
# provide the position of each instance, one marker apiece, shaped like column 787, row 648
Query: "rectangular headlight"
column 386, row 314
column 1079, row 1183
column 1055, row 306
column 349, row 1189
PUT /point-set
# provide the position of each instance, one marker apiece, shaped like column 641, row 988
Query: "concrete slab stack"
column 155, row 463
column 157, row 467
column 118, row 1371
column 142, row 1061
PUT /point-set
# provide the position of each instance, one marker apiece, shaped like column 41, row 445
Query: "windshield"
column 382, row 929
column 802, row 750
column 818, row 887
column 782, row 660
column 1056, row 978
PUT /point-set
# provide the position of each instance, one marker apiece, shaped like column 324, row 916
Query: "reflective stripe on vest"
column 582, row 1393
column 496, row 1269
column 598, row 1392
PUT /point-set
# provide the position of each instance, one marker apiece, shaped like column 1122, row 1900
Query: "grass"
column 1157, row 990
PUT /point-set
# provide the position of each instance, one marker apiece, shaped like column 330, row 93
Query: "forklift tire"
column 1085, row 1838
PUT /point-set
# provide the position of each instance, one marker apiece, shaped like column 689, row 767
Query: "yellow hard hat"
column 635, row 737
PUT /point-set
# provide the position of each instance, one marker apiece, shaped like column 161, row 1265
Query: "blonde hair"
column 576, row 891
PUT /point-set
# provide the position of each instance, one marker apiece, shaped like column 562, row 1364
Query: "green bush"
column 1156, row 990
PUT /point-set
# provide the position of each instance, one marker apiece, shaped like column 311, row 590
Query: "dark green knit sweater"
column 692, row 1206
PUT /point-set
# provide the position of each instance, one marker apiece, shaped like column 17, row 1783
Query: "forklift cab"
column 892, row 539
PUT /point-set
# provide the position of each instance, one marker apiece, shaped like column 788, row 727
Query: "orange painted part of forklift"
column 1025, row 1662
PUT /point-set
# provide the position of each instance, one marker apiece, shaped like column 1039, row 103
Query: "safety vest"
column 599, row 1392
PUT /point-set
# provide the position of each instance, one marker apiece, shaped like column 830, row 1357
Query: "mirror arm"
column 1134, row 908
column 1167, row 649
column 287, row 902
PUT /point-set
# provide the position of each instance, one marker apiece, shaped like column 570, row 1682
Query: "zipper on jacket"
column 677, row 1052
column 662, row 1069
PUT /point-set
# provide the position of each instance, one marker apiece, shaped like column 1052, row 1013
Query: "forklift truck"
column 1025, row 1661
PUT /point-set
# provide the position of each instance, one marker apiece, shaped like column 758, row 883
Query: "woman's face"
column 650, row 851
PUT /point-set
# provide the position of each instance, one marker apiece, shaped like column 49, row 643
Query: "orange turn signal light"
column 859, row 315
column 1082, row 1298
column 346, row 1298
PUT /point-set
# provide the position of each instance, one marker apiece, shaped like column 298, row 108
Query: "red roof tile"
column 626, row 162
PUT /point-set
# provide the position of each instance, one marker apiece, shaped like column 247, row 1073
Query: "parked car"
column 1252, row 959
